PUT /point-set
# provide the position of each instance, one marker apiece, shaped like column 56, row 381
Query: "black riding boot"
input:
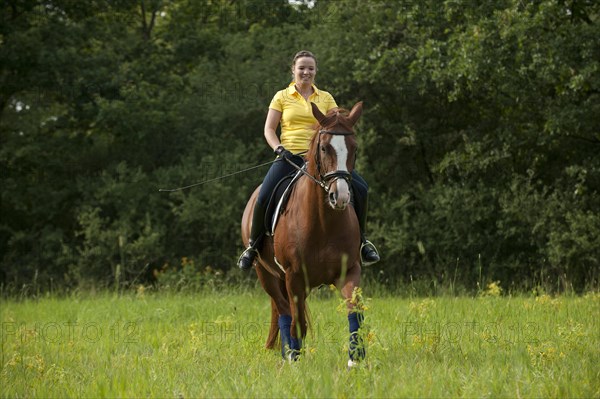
column 368, row 252
column 247, row 258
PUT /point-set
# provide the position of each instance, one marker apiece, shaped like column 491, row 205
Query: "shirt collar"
column 292, row 89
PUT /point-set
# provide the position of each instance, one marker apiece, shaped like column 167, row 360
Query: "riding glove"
column 283, row 153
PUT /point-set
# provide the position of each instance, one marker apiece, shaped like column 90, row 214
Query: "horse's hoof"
column 293, row 355
column 352, row 364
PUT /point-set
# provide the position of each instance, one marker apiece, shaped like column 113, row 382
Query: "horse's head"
column 333, row 150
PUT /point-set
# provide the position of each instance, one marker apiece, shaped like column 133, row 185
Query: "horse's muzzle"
column 339, row 194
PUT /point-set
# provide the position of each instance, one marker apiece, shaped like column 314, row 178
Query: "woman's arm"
column 273, row 119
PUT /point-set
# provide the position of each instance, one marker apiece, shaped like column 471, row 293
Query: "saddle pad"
column 278, row 200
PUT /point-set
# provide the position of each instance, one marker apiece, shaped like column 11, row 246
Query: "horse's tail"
column 272, row 339
column 309, row 329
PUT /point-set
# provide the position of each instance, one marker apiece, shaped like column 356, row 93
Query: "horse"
column 316, row 240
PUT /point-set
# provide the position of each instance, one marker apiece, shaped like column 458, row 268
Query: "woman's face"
column 304, row 70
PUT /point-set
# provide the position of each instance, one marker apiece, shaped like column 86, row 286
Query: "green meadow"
column 149, row 344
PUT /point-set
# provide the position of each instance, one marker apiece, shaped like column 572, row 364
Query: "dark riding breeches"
column 279, row 169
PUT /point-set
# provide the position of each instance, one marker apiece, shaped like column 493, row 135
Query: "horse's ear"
column 356, row 112
column 317, row 112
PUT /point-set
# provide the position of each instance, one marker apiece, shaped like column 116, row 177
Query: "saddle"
column 279, row 199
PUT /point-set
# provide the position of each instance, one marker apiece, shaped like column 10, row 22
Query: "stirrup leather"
column 365, row 263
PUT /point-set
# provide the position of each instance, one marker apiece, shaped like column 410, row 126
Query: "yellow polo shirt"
column 297, row 120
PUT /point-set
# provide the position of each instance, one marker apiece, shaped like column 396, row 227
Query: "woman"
column 291, row 107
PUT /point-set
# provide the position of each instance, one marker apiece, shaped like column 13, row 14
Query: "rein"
column 328, row 179
column 305, row 173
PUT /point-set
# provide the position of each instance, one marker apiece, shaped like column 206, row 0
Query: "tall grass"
column 212, row 345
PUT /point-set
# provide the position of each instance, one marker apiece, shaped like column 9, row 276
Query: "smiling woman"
column 304, row 69
column 291, row 107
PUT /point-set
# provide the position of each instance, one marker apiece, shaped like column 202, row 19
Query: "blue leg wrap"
column 285, row 322
column 296, row 344
column 290, row 346
column 356, row 349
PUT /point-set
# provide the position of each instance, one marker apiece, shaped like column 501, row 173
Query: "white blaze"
column 339, row 145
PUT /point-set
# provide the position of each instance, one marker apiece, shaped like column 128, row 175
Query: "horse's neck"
column 316, row 208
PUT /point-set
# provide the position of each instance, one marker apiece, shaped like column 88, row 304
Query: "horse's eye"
column 323, row 148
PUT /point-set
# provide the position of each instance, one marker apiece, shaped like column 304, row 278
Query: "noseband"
column 329, row 178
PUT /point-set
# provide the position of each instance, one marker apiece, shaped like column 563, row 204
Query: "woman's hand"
column 283, row 153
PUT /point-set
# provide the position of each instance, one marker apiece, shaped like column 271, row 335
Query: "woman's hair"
column 303, row 53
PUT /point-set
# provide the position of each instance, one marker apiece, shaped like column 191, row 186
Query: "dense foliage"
column 479, row 139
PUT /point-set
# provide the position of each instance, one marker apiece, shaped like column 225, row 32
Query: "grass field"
column 212, row 345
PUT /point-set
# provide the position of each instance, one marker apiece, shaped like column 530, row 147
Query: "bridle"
column 329, row 178
column 325, row 181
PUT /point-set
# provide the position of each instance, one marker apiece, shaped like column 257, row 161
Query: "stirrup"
column 247, row 254
column 364, row 262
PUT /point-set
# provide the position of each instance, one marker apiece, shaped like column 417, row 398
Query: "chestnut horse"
column 317, row 239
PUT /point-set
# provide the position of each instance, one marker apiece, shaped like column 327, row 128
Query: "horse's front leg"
column 279, row 302
column 356, row 347
column 296, row 325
